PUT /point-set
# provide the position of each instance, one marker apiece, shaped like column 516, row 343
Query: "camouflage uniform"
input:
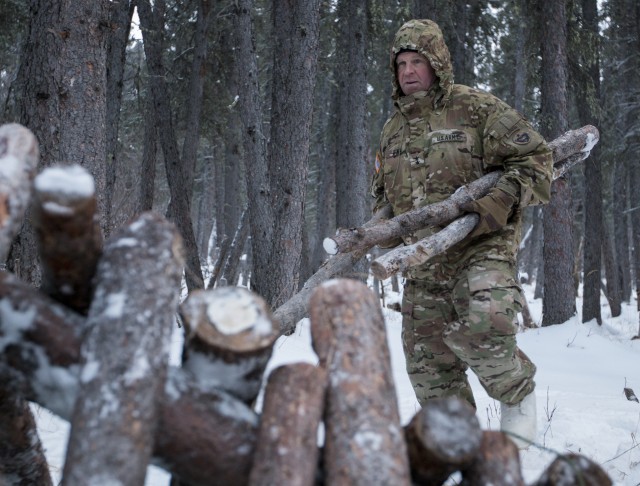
column 459, row 309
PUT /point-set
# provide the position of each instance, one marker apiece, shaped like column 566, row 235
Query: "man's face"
column 414, row 72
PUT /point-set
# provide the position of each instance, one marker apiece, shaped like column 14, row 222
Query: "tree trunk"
column 231, row 267
column 120, row 23
column 559, row 296
column 351, row 176
column 62, row 85
column 364, row 441
column 137, row 292
column 149, row 159
column 291, row 414
column 296, row 28
column 589, row 89
column 151, row 21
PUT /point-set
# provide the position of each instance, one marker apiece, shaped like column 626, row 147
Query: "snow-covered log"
column 125, row 355
column 573, row 469
column 19, row 157
column 287, row 449
column 497, row 463
column 442, row 437
column 574, row 145
column 364, row 441
column 229, row 336
column 69, row 234
column 199, row 435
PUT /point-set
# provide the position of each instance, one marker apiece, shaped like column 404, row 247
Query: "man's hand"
column 494, row 210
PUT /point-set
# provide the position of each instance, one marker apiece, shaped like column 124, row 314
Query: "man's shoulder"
column 467, row 94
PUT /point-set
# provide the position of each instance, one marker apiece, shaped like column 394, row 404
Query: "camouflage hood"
column 425, row 37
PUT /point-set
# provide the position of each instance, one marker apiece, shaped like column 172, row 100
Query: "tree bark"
column 120, row 22
column 497, row 462
column 287, row 450
column 230, row 336
column 351, row 176
column 364, row 441
column 443, row 437
column 230, row 271
column 62, row 85
column 559, row 300
column 137, row 292
column 151, row 21
column 19, row 157
column 69, row 237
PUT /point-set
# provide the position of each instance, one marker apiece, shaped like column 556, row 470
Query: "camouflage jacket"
column 439, row 140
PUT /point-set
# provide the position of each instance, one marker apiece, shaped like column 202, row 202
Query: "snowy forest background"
column 253, row 125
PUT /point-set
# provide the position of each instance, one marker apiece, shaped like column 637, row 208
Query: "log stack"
column 97, row 355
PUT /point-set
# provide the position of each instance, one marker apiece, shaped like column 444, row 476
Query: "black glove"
column 494, row 210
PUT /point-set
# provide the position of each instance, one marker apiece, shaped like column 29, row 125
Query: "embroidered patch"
column 521, row 138
column 439, row 136
column 449, row 137
column 378, row 164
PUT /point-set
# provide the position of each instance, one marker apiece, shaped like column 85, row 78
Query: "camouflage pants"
column 465, row 318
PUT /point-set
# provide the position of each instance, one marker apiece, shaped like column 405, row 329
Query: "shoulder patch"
column 378, row 163
column 521, row 138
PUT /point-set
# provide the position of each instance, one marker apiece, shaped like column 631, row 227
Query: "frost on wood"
column 364, row 440
column 229, row 339
column 19, row 157
column 68, row 233
column 129, row 346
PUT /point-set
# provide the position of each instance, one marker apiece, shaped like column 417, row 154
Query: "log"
column 579, row 142
column 22, row 459
column 19, row 157
column 289, row 314
column 125, row 354
column 287, row 450
column 497, row 463
column 442, row 438
column 401, row 258
column 204, row 438
column 68, row 233
column 229, row 336
column 364, row 441
column 573, row 469
column 41, row 342
column 199, row 435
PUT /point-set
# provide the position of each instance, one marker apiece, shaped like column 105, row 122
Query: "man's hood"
column 424, row 36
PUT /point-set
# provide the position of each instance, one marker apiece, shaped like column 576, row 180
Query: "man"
column 460, row 308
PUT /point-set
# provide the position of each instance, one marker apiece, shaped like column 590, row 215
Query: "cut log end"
column 67, row 186
column 330, row 246
column 232, row 318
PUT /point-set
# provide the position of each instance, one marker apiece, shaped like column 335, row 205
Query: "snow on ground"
column 582, row 371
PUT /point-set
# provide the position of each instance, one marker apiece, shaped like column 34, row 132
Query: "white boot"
column 519, row 421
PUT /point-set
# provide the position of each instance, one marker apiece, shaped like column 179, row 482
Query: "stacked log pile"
column 92, row 346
